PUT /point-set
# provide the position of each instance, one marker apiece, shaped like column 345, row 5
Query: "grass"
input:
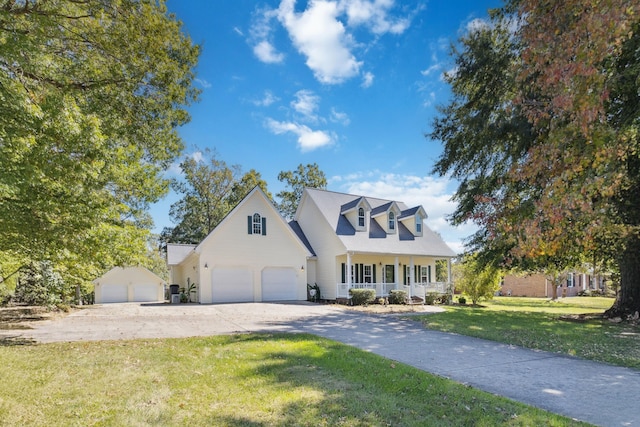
column 238, row 380
column 535, row 323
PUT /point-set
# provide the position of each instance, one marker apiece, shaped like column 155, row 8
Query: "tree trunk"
column 628, row 299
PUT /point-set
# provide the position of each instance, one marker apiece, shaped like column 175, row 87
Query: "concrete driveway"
column 593, row 392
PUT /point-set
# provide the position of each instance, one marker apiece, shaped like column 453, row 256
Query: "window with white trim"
column 418, row 224
column 367, row 276
column 361, row 217
column 424, row 274
column 257, row 224
column 392, row 221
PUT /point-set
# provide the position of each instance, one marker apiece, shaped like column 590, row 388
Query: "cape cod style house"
column 337, row 241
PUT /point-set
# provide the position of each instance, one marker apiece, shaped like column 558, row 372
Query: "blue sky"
column 351, row 85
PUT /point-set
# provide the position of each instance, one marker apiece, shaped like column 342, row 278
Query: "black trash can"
column 174, row 294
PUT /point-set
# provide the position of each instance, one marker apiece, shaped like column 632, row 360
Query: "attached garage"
column 279, row 284
column 232, row 284
column 131, row 284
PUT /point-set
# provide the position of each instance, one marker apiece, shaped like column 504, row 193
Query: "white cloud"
column 432, row 193
column 367, row 80
column 339, row 117
column 431, row 69
column 202, row 82
column 308, row 139
column 267, row 53
column 322, row 39
column 476, row 24
column 323, row 33
column 306, row 103
column 375, row 15
column 238, row 31
column 268, row 99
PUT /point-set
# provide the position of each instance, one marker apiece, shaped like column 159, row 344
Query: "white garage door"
column 145, row 292
column 114, row 293
column 231, row 285
column 279, row 284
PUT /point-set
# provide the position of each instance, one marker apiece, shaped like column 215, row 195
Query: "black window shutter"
column 344, row 273
column 361, row 273
column 250, row 224
column 374, row 273
column 264, row 226
column 405, row 274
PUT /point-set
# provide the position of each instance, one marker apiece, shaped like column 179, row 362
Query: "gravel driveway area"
column 140, row 320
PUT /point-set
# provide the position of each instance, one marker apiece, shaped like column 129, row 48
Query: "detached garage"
column 131, row 284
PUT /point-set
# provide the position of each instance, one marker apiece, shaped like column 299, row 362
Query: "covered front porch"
column 418, row 275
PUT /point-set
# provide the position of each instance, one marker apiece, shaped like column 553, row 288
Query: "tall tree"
column 91, row 95
column 208, row 183
column 304, row 176
column 563, row 188
column 243, row 186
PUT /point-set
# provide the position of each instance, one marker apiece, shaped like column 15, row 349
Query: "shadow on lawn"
column 15, row 340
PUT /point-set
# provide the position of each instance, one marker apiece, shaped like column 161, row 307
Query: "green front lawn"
column 239, row 380
column 535, row 323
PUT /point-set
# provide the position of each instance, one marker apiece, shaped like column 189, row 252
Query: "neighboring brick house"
column 537, row 285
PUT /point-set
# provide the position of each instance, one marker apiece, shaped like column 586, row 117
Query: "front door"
column 389, row 274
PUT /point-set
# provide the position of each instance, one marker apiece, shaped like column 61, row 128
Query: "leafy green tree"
column 542, row 134
column 248, row 182
column 92, row 93
column 304, row 176
column 208, row 183
column 39, row 284
column 478, row 281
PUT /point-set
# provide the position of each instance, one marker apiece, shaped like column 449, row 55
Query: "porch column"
column 449, row 278
column 584, row 281
column 396, row 272
column 348, row 272
column 412, row 279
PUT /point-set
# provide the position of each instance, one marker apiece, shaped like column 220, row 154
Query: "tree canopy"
column 210, row 189
column 91, row 95
column 297, row 180
column 542, row 133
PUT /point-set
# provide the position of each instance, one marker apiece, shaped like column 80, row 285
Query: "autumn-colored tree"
column 543, row 135
column 584, row 61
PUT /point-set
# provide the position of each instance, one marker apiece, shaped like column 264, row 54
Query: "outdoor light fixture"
column 206, row 265
column 302, row 267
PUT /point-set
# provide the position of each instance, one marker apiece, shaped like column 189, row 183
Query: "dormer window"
column 361, row 217
column 418, row 224
column 392, row 221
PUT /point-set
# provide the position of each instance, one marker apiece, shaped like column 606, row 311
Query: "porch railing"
column 382, row 289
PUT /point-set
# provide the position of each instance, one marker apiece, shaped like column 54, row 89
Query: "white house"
column 254, row 255
column 129, row 284
column 364, row 242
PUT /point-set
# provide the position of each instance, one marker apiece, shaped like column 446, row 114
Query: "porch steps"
column 414, row 300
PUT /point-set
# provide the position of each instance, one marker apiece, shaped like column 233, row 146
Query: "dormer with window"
column 413, row 219
column 386, row 215
column 356, row 213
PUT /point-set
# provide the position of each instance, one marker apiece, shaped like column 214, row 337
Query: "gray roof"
column 298, row 230
column 375, row 239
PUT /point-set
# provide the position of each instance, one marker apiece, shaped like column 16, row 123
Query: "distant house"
column 128, row 284
column 538, row 285
column 337, row 241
